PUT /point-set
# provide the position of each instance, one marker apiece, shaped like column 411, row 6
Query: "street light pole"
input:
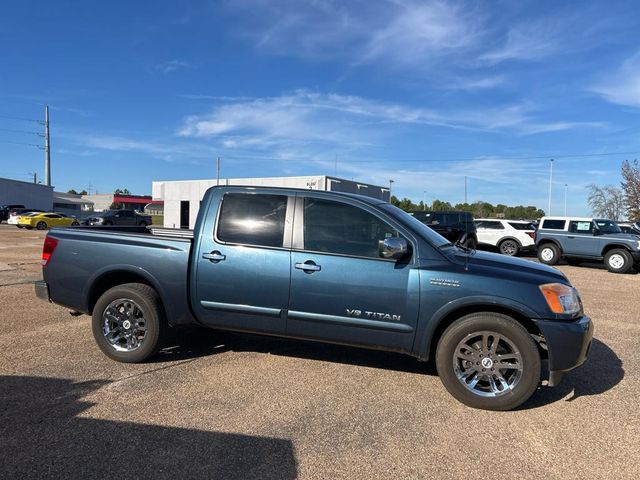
column 390, row 185
column 550, row 183
column 424, row 200
column 565, row 199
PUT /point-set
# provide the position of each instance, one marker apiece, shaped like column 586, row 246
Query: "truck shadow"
column 43, row 436
column 194, row 343
column 602, row 371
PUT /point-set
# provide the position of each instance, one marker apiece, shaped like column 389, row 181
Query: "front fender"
column 428, row 327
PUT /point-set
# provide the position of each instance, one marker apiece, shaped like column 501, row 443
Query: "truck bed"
column 88, row 260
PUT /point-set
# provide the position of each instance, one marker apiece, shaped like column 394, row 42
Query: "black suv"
column 451, row 225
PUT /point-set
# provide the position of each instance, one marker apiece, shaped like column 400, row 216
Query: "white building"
column 182, row 198
column 29, row 194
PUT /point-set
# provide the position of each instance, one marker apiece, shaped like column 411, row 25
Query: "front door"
column 341, row 289
column 243, row 265
column 581, row 240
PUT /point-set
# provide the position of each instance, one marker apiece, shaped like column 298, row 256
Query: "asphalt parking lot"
column 234, row 406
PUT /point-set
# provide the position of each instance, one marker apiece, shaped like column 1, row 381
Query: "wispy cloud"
column 400, row 32
column 622, row 86
column 171, row 66
column 304, row 116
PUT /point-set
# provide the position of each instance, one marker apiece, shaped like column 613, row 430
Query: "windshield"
column 416, row 225
column 608, row 226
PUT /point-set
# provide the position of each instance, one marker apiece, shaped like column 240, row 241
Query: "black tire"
column 41, row 226
column 148, row 302
column 509, row 247
column 75, row 224
column 473, row 326
column 143, row 224
column 20, row 226
column 549, row 254
column 108, row 223
column 618, row 260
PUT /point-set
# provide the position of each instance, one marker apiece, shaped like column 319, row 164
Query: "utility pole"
column 565, row 199
column 465, row 189
column 550, row 183
column 390, row 185
column 218, row 171
column 35, row 177
column 424, row 200
column 47, row 148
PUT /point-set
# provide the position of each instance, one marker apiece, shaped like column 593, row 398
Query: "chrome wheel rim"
column 508, row 248
column 487, row 364
column 123, row 325
column 546, row 254
column 616, row 261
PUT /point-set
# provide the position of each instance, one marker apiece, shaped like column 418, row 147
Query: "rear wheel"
column 618, row 260
column 488, row 361
column 548, row 254
column 41, row 226
column 509, row 247
column 20, row 226
column 128, row 323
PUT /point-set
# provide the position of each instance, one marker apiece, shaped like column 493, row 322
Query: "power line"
column 22, row 143
column 22, row 119
column 483, row 158
column 21, row 131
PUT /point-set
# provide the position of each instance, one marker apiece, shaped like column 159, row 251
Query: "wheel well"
column 461, row 312
column 614, row 246
column 111, row 280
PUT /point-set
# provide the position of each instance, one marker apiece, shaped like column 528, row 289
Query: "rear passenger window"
column 553, row 224
column 522, row 226
column 252, row 219
column 339, row 228
column 491, row 225
column 581, row 227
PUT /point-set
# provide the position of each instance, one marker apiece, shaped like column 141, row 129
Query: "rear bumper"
column 568, row 344
column 42, row 290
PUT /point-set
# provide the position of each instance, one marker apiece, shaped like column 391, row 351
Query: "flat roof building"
column 29, row 194
column 182, row 197
column 103, row 201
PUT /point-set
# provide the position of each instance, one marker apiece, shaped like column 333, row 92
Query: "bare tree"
column 607, row 201
column 631, row 188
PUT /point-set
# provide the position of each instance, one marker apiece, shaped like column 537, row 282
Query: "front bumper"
column 42, row 290
column 568, row 344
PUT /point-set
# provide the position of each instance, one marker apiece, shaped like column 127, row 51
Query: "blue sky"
column 424, row 93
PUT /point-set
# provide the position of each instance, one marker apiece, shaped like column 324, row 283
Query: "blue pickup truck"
column 329, row 267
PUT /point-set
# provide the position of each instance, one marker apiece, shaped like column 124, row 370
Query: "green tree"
column 72, row 192
column 123, row 191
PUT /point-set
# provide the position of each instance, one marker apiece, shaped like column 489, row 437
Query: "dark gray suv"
column 587, row 239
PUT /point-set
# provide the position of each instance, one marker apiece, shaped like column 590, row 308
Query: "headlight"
column 561, row 298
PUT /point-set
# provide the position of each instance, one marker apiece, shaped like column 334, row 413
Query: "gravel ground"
column 235, row 406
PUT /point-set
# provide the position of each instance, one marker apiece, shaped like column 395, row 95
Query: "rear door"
column 341, row 289
column 243, row 261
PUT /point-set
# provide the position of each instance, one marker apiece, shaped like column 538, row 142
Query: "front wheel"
column 549, row 254
column 41, row 226
column 488, row 361
column 618, row 261
column 75, row 224
column 128, row 323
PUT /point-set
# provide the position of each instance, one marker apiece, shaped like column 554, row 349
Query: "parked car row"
column 29, row 218
column 574, row 239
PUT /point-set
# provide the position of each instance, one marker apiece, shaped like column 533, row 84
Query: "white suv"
column 509, row 236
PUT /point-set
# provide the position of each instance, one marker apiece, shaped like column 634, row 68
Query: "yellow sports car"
column 42, row 221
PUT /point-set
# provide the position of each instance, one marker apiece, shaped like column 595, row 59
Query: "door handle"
column 570, row 236
column 308, row 266
column 214, row 256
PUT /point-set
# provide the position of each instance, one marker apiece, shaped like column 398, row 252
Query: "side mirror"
column 393, row 248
